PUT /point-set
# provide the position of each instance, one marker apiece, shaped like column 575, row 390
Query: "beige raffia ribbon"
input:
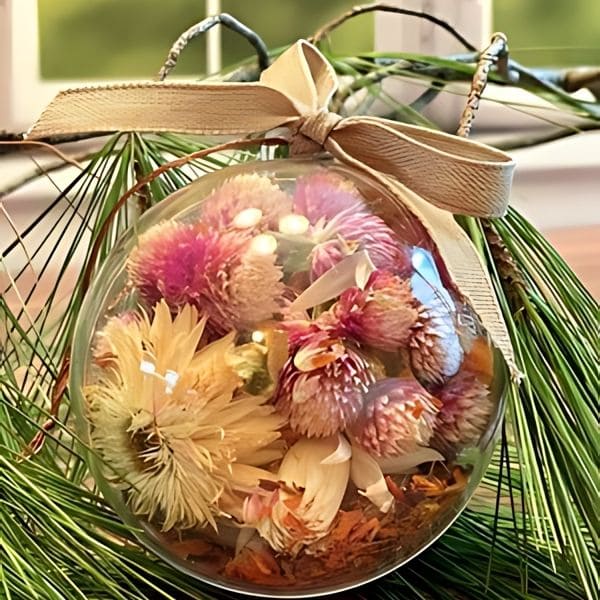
column 434, row 174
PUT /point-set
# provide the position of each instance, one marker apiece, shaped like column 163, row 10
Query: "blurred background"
column 47, row 45
column 98, row 39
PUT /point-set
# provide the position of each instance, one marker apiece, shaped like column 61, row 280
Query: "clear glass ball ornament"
column 280, row 388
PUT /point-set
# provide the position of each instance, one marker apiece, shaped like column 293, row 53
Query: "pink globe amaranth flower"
column 325, row 255
column 163, row 263
column 300, row 332
column 256, row 290
column 466, row 408
column 382, row 315
column 435, row 350
column 321, row 386
column 372, row 234
column 351, row 231
column 324, row 194
column 398, row 418
column 341, row 224
column 242, row 192
column 215, row 272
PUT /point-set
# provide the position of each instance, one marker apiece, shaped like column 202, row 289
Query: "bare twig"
column 496, row 51
column 382, row 7
column 202, row 27
column 45, row 146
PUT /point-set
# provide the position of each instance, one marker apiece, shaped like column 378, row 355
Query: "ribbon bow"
column 453, row 174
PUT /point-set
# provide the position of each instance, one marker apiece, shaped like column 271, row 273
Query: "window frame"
column 23, row 92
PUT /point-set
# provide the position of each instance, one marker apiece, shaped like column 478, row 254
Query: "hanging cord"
column 202, row 27
column 382, row 7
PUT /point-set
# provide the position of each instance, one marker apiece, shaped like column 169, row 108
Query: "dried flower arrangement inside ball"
column 279, row 382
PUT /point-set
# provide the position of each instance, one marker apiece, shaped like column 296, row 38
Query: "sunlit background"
column 94, row 39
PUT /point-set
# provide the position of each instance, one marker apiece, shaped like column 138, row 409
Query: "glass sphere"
column 281, row 389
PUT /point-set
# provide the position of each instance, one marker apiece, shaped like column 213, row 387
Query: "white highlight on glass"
column 249, row 217
column 263, row 244
column 171, row 378
column 258, row 336
column 147, row 366
column 293, row 224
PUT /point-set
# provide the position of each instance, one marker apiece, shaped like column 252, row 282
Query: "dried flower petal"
column 433, row 486
column 398, row 418
column 368, row 477
column 480, row 360
column 257, row 565
column 305, row 508
column 350, row 271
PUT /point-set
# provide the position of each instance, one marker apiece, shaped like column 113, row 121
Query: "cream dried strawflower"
column 171, row 422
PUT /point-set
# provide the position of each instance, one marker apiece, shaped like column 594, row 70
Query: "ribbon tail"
column 203, row 109
column 465, row 267
column 454, row 174
column 467, row 271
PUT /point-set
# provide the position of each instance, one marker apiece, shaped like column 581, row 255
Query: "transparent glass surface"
column 281, row 390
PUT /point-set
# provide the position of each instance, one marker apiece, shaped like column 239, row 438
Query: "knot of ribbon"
column 313, row 131
column 450, row 173
column 455, row 174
